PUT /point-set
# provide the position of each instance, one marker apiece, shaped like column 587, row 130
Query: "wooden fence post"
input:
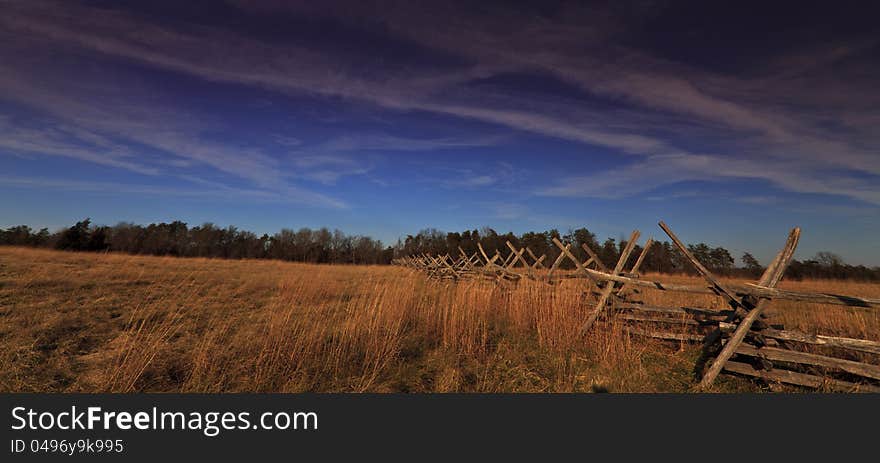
column 770, row 278
column 518, row 257
column 594, row 257
column 635, row 268
column 556, row 264
column 581, row 267
column 719, row 288
column 536, row 259
column 609, row 286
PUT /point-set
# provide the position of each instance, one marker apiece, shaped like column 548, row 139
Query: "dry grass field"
column 74, row 322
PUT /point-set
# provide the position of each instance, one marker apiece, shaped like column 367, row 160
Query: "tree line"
column 320, row 246
column 663, row 257
column 335, row 247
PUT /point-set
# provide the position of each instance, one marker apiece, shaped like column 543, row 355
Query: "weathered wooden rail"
column 735, row 339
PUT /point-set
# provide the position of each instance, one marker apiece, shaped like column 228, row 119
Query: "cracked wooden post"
column 770, row 279
column 465, row 263
column 441, row 264
column 508, row 259
column 581, row 267
column 464, row 254
column 716, row 285
column 473, row 263
column 499, row 271
column 427, row 260
column 438, row 267
column 518, row 257
column 531, row 268
column 539, row 263
column 635, row 268
column 536, row 259
column 434, row 266
column 445, row 261
column 556, row 264
column 489, row 262
column 609, row 286
column 594, row 257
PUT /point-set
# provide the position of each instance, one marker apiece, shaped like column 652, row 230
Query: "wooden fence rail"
column 735, row 340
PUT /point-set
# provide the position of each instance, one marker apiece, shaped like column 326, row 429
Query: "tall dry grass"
column 104, row 322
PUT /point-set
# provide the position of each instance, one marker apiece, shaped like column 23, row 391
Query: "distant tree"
column 720, row 260
column 283, row 245
column 126, row 237
column 341, row 248
column 75, row 238
column 609, row 252
column 99, row 239
column 583, row 237
column 538, row 243
column 324, row 246
column 702, row 252
column 16, row 236
column 752, row 266
column 828, row 259
column 41, row 238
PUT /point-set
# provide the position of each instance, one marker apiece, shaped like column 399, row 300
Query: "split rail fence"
column 735, row 339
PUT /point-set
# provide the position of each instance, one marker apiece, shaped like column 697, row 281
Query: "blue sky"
column 733, row 124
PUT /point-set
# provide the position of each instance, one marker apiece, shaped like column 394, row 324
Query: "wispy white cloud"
column 676, row 195
column 389, row 143
column 496, row 175
column 66, row 141
column 127, row 129
column 215, row 192
column 553, row 126
column 127, row 188
column 772, row 119
column 760, row 200
column 328, row 169
column 778, row 110
column 479, row 181
column 286, row 140
column 504, row 210
column 223, row 56
column 657, row 171
column 357, row 155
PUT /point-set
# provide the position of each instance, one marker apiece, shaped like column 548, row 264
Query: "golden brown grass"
column 106, row 322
